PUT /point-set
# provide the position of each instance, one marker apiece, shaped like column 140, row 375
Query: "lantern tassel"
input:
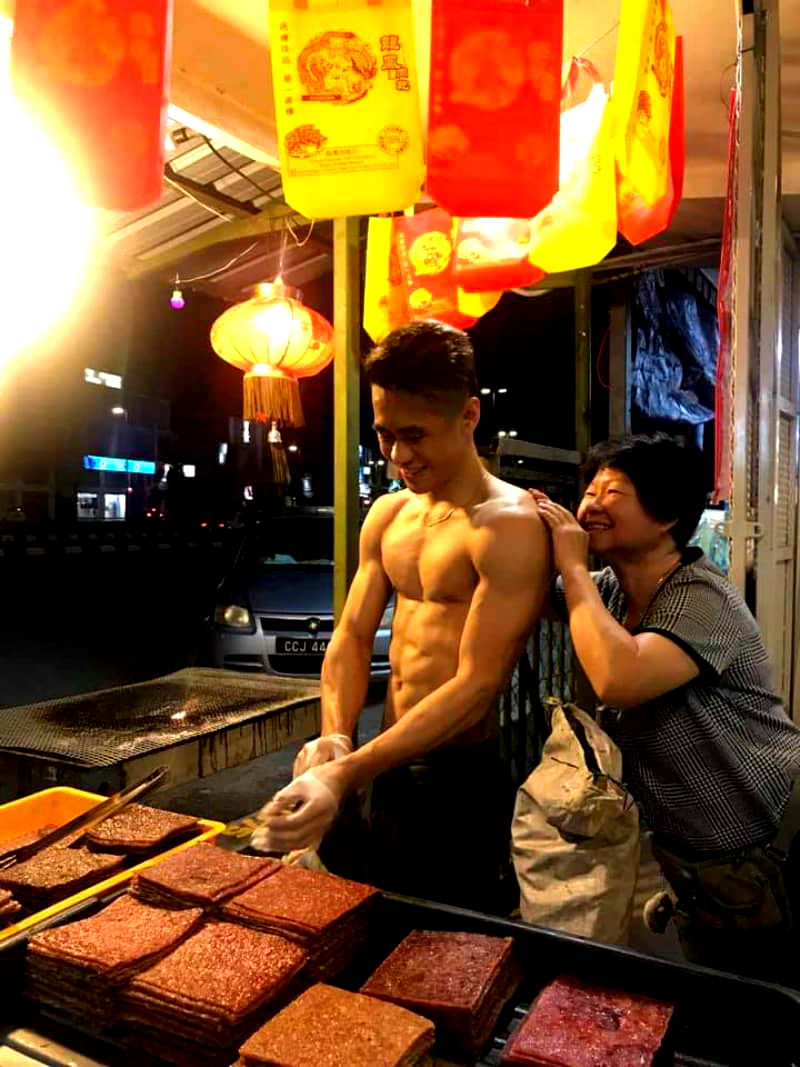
column 272, row 397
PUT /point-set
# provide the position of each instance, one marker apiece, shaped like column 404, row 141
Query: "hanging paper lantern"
column 94, row 75
column 424, row 246
column 493, row 254
column 410, row 275
column 346, row 106
column 643, row 78
column 275, row 340
column 494, row 106
column 579, row 227
column 638, row 221
column 385, row 304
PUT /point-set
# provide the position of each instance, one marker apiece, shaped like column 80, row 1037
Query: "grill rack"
column 102, row 728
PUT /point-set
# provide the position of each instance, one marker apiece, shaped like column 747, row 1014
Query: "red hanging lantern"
column 275, row 340
column 494, row 110
column 493, row 254
column 94, row 74
column 424, row 245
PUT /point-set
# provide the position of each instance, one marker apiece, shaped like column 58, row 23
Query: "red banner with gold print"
column 495, row 99
column 94, row 74
column 424, row 246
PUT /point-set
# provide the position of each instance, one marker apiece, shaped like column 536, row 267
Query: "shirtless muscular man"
column 466, row 557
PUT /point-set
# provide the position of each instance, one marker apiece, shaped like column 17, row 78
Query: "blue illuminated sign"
column 122, row 466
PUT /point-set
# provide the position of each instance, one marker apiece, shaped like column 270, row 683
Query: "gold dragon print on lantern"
column 346, row 105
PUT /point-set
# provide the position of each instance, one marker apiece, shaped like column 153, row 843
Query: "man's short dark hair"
column 667, row 472
column 426, row 358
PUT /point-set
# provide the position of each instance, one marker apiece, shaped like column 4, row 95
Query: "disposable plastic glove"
column 297, row 817
column 323, row 750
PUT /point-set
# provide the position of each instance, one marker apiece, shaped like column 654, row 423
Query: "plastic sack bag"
column 579, row 226
column 643, row 77
column 575, row 834
column 637, row 220
column 676, row 341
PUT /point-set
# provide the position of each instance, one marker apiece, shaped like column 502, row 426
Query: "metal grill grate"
column 101, row 729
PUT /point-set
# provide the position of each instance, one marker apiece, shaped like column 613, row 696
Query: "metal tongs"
column 89, row 818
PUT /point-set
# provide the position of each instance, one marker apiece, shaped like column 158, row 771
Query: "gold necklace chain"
column 435, row 522
column 449, row 514
column 668, row 573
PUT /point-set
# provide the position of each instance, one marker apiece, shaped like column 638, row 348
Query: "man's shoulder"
column 507, row 505
column 385, row 508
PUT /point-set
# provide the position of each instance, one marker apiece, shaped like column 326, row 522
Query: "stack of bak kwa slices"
column 460, row 981
column 574, row 1024
column 329, row 1027
column 198, row 1004
column 9, row 908
column 328, row 916
column 55, row 873
column 139, row 829
column 78, row 968
column 202, row 876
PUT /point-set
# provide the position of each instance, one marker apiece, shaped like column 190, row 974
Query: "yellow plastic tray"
column 54, row 807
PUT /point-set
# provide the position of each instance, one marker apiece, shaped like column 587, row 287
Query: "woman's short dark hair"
column 426, row 358
column 667, row 473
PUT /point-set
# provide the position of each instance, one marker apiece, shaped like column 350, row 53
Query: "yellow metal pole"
column 346, row 370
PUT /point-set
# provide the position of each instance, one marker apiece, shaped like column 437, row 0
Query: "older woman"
column 677, row 660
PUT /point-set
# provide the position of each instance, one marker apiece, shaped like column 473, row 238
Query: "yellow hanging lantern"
column 346, row 105
column 275, row 340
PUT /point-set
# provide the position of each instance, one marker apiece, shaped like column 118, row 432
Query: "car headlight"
column 233, row 615
column 386, row 618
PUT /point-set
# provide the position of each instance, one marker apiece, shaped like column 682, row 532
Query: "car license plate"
column 301, row 646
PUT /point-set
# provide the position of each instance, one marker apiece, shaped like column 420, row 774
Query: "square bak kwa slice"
column 140, row 829
column 56, row 873
column 460, row 981
column 326, row 1025
column 574, row 1024
column 201, row 876
column 326, row 914
column 77, row 968
column 123, row 938
column 210, row 988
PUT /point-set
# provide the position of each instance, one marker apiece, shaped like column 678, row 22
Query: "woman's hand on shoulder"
column 570, row 540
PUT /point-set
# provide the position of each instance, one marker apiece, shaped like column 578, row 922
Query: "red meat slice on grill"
column 574, row 1024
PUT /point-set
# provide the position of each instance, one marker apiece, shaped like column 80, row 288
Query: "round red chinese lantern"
column 275, row 340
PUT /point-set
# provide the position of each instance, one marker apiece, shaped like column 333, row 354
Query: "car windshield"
column 286, row 540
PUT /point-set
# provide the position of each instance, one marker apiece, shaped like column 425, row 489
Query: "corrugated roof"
column 221, row 187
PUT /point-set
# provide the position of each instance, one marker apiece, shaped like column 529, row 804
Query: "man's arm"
column 512, row 560
column 346, row 668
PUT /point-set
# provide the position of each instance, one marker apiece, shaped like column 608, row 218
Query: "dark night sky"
column 525, row 344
